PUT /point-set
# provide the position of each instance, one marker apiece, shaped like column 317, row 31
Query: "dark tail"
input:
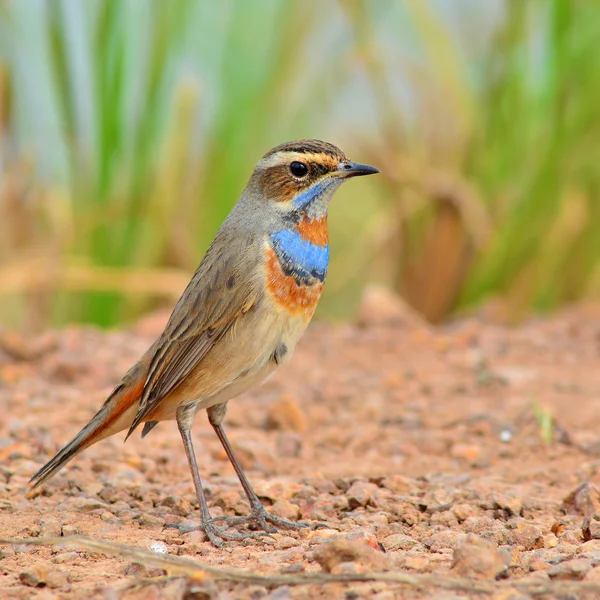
column 116, row 414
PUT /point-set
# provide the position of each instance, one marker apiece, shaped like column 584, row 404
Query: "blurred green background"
column 128, row 128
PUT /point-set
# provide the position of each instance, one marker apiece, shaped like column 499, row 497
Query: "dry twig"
column 179, row 566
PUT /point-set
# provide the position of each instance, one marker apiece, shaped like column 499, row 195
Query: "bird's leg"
column 258, row 514
column 185, row 417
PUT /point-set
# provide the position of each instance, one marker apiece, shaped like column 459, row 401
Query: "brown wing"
column 226, row 285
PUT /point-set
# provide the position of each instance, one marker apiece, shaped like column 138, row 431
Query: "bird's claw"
column 265, row 523
column 216, row 534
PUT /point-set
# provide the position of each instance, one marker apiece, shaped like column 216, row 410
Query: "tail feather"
column 116, row 414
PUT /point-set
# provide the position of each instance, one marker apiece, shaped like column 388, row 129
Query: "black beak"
column 352, row 169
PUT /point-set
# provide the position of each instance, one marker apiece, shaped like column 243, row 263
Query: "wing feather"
column 226, row 285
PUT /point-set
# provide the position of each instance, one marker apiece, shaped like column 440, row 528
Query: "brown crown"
column 309, row 147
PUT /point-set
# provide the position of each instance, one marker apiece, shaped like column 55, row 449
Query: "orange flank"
column 286, row 293
column 123, row 400
column 314, row 231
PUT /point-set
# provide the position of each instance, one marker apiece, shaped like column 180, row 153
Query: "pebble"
column 150, row 521
column 340, row 551
column 159, row 547
column 6, row 552
column 463, row 511
column 399, row 484
column 50, row 527
column 286, row 542
column 443, row 540
column 479, row 558
column 575, row 569
column 64, row 557
column 82, row 505
column 67, row 530
column 399, row 541
column 41, row 575
column 286, row 509
column 550, row 541
column 359, row 494
column 437, row 499
column 513, row 505
column 583, row 500
column 281, row 593
column 529, row 536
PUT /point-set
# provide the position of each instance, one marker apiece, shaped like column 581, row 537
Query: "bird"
column 240, row 318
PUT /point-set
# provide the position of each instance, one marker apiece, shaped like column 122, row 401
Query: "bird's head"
column 300, row 177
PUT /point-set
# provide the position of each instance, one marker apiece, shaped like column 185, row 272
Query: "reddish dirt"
column 396, row 436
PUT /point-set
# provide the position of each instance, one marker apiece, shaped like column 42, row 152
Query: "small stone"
column 339, row 551
column 158, row 547
column 437, row 499
column 550, row 541
column 138, row 570
column 575, row 569
column 584, row 500
column 322, row 532
column 530, row 537
column 401, row 485
column 69, row 530
column 286, row 509
column 537, row 564
column 35, row 575
column 399, row 541
column 570, row 536
column 359, row 493
column 590, row 529
column 82, row 504
column 150, row 521
column 256, row 592
column 345, row 567
column 281, row 593
column 463, row 511
column 64, row 557
column 445, row 518
column 276, row 489
column 479, row 558
column 365, row 537
column 441, row 541
column 50, row 527
column 286, row 542
column 6, row 552
column 58, row 579
column 513, row 505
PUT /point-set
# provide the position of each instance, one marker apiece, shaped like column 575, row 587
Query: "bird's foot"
column 265, row 521
column 216, row 534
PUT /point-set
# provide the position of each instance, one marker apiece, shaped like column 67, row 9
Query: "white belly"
column 240, row 385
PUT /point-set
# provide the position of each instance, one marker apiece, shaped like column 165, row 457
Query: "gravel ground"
column 470, row 450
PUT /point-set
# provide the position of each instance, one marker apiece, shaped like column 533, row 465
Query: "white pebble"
column 159, row 547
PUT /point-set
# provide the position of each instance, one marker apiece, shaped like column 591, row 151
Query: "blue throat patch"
column 307, row 196
column 304, row 261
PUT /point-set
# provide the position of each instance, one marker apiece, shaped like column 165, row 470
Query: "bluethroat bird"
column 239, row 318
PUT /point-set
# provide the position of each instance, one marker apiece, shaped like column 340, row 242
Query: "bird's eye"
column 298, row 169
